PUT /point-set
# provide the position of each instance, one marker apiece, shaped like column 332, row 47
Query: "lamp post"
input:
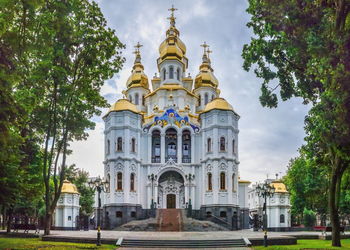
column 152, row 178
column 99, row 185
column 265, row 190
column 189, row 178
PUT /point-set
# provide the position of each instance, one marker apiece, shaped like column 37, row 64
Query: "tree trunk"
column 9, row 220
column 333, row 208
column 47, row 224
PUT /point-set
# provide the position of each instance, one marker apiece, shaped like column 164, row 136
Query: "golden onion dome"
column 279, row 187
column 218, row 103
column 137, row 78
column 172, row 48
column 206, row 77
column 69, row 188
column 123, row 104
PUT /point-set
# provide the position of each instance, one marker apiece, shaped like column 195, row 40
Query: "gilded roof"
column 69, row 188
column 279, row 187
column 123, row 104
column 218, row 103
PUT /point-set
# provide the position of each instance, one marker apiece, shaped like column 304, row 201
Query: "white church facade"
column 173, row 143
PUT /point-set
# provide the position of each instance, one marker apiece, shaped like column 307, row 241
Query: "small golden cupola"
column 137, row 84
column 205, row 83
column 138, row 78
column 172, row 48
column 206, row 77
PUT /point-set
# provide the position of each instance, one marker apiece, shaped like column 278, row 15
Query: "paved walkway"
column 248, row 233
column 170, row 220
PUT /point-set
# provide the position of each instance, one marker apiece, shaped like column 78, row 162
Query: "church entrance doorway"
column 171, row 190
column 171, row 201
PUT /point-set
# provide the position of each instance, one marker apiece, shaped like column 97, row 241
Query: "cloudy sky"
column 268, row 138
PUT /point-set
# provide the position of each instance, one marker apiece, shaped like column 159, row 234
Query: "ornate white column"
column 179, row 147
column 149, row 142
column 162, row 146
column 192, row 147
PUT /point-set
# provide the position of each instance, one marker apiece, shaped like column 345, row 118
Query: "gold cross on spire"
column 172, row 9
column 205, row 46
column 172, row 18
column 209, row 51
column 137, row 48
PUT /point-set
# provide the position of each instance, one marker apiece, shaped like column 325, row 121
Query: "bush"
column 309, row 218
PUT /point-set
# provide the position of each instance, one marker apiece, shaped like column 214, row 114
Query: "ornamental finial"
column 172, row 17
column 137, row 52
column 205, row 46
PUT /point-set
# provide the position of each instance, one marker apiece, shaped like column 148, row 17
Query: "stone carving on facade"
column 209, row 168
column 119, row 167
column 132, row 168
column 223, row 167
column 170, row 163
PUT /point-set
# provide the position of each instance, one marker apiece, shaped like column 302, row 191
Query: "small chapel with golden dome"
column 172, row 142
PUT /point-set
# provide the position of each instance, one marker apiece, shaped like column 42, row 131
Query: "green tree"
column 301, row 48
column 309, row 218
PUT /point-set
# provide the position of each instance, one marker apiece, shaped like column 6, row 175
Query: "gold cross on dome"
column 209, row 51
column 172, row 9
column 137, row 48
column 205, row 46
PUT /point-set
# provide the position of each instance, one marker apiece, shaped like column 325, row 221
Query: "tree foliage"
column 301, row 48
column 56, row 55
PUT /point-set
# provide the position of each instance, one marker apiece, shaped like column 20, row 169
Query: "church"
column 172, row 142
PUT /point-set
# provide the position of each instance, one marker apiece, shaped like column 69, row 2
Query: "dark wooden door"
column 171, row 201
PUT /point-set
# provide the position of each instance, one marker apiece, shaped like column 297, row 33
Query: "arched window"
column 178, row 74
column 186, row 146
column 156, row 146
column 119, row 181
column 171, row 72
column 210, row 183
column 199, row 100
column 136, row 99
column 233, row 146
column 119, row 144
column 206, row 98
column 170, row 143
column 132, row 182
column 133, row 145
column 164, row 74
column 130, row 98
column 233, row 183
column 143, row 100
column 108, row 179
column 212, row 97
column 108, row 146
column 209, row 145
column 222, row 144
column 222, row 181
column 282, row 218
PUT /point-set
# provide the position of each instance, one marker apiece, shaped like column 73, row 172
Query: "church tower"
column 173, row 145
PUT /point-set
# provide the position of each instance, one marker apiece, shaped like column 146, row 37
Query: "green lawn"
column 35, row 243
column 310, row 244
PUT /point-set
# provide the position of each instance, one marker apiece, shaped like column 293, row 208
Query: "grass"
column 36, row 243
column 310, row 244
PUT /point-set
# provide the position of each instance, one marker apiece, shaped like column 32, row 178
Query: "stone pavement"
column 248, row 233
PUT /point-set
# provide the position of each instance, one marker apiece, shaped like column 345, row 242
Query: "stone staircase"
column 171, row 220
column 230, row 243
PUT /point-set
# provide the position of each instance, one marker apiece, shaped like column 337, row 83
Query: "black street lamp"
column 190, row 178
column 265, row 190
column 152, row 178
column 99, row 185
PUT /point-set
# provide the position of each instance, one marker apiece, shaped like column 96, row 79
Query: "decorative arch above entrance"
column 171, row 190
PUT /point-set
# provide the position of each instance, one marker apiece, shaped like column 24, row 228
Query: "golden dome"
column 123, row 104
column 206, row 77
column 138, row 78
column 69, row 188
column 217, row 103
column 279, row 187
column 172, row 48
